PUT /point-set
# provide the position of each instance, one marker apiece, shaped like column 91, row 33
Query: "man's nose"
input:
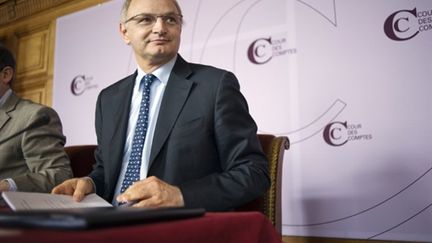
column 159, row 26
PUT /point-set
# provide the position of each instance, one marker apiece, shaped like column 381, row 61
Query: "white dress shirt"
column 156, row 93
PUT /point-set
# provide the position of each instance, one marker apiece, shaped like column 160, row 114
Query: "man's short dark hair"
column 6, row 58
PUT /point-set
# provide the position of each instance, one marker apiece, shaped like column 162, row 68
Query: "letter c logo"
column 260, row 51
column 78, row 85
column 335, row 133
column 392, row 25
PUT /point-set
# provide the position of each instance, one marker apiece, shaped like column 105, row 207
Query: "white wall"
column 354, row 102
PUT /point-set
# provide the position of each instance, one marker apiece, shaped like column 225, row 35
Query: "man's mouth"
column 159, row 40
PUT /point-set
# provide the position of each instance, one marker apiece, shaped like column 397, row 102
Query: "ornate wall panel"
column 32, row 53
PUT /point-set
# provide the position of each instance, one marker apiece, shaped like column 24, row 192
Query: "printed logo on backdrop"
column 81, row 83
column 262, row 50
column 339, row 133
column 405, row 24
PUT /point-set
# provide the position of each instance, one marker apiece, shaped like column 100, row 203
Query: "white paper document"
column 20, row 201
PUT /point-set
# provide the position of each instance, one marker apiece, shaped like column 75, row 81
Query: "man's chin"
column 162, row 56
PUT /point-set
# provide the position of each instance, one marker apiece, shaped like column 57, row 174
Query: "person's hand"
column 4, row 186
column 76, row 187
column 152, row 193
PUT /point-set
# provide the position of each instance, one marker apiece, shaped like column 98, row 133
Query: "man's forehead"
column 153, row 6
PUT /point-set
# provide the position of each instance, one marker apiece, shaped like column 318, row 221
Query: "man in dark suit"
column 200, row 146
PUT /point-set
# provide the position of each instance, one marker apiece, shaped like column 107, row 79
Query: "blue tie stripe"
column 134, row 164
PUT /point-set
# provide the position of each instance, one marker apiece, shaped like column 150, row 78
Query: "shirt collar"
column 162, row 73
column 5, row 97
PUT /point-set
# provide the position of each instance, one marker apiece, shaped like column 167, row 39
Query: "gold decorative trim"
column 12, row 10
column 277, row 146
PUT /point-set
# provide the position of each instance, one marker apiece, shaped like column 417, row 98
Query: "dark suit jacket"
column 205, row 141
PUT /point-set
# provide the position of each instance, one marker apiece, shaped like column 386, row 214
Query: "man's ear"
column 124, row 33
column 6, row 75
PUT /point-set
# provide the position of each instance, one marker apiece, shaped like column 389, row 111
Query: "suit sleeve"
column 43, row 152
column 97, row 173
column 244, row 166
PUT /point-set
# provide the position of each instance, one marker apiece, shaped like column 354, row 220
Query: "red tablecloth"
column 226, row 227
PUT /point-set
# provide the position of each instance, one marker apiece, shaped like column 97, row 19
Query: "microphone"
column 43, row 120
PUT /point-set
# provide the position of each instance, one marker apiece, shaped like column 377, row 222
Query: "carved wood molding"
column 11, row 10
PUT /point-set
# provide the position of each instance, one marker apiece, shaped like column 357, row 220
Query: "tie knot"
column 148, row 80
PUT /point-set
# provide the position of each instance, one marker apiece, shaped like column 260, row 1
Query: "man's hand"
column 154, row 193
column 4, row 186
column 77, row 187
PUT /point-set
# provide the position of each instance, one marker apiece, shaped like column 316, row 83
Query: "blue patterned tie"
column 134, row 165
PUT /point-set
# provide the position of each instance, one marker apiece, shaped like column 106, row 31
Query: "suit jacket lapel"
column 118, row 117
column 4, row 117
column 176, row 94
column 9, row 106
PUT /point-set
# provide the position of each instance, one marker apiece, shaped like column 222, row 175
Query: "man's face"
column 154, row 39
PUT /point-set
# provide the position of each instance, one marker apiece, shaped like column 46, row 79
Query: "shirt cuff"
column 12, row 185
column 91, row 180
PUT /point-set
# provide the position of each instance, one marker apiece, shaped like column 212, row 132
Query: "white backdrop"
column 348, row 82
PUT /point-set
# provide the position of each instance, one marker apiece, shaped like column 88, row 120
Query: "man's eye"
column 145, row 20
column 170, row 20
